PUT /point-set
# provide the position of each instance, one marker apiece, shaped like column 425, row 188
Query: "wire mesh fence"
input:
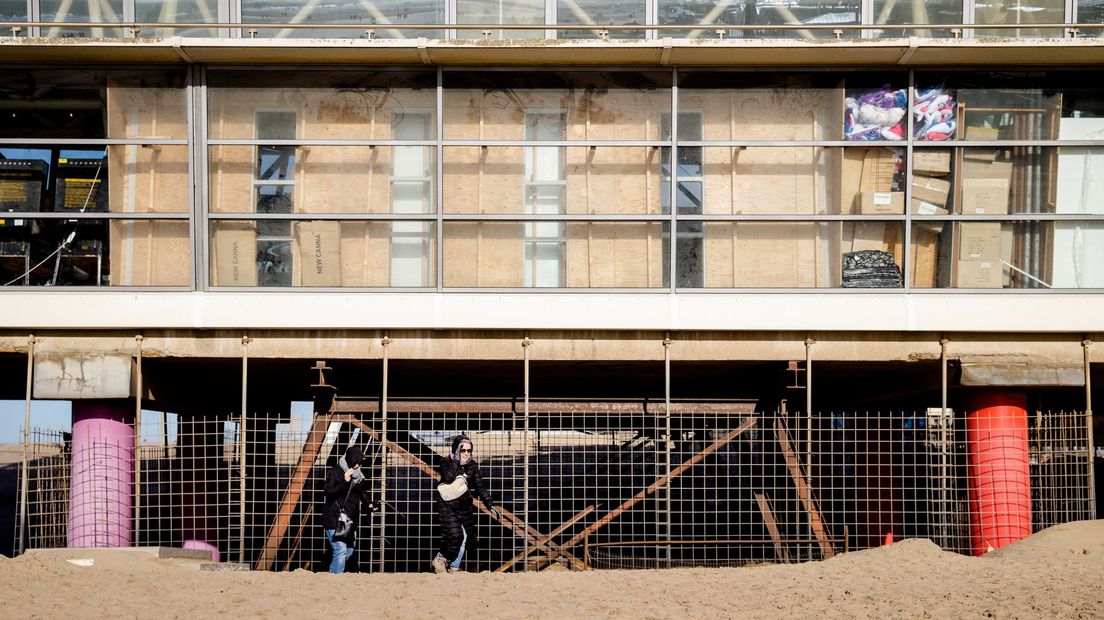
column 604, row 484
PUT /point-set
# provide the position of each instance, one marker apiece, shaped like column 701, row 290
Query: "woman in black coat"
column 346, row 489
column 456, row 515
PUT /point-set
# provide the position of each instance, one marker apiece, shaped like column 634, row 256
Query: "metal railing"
column 134, row 29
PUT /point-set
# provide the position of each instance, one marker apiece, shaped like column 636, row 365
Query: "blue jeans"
column 341, row 553
column 460, row 556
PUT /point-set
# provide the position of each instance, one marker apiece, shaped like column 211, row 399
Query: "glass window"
column 539, row 179
column 60, row 104
column 600, row 105
column 545, row 185
column 67, row 11
column 412, row 173
column 376, row 15
column 334, row 105
column 689, row 193
column 994, row 181
column 178, row 12
column 1011, row 254
column 890, row 12
column 797, row 106
column 1090, row 12
column 89, row 252
column 500, row 12
column 1025, row 12
column 797, row 12
column 594, row 254
column 328, row 253
column 323, row 179
column 737, row 180
column 867, row 254
column 14, row 11
column 992, row 105
column 600, row 13
column 87, row 179
column 716, row 15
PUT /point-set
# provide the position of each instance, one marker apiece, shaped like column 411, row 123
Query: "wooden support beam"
column 804, row 492
column 772, row 527
column 311, row 448
column 662, row 480
column 307, row 514
column 546, row 538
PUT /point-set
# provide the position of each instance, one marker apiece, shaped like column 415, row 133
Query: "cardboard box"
column 931, row 162
column 878, row 167
column 320, row 253
column 865, row 170
column 985, row 187
column 881, row 203
column 980, row 274
column 235, row 256
column 979, row 241
column 919, row 207
column 930, row 190
column 869, row 236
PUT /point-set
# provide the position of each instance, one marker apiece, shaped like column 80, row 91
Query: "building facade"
column 799, row 274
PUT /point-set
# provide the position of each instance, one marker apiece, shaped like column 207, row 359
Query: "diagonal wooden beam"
column 546, row 538
column 311, row 448
column 804, row 493
column 506, row 518
column 772, row 526
column 662, row 480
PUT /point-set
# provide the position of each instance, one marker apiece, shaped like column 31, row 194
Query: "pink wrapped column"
column 101, row 487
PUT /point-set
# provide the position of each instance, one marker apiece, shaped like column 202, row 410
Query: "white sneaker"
column 455, row 569
column 439, row 564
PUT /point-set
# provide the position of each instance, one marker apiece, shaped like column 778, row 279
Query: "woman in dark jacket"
column 456, row 516
column 346, row 489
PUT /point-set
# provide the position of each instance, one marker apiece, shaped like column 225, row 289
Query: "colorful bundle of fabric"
column 934, row 114
column 875, row 115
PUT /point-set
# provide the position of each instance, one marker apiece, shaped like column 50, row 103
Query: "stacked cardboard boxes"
column 931, row 190
column 986, row 182
column 979, row 255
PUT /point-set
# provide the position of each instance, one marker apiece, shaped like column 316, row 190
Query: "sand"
column 1055, row 573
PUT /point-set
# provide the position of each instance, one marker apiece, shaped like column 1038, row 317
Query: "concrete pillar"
column 101, row 490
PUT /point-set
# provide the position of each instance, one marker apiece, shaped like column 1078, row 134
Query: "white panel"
column 983, row 313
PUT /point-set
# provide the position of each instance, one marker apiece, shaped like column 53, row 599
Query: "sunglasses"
column 468, row 451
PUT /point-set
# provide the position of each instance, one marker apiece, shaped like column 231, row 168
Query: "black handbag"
column 344, row 523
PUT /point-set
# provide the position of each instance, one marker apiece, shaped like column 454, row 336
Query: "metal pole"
column 525, row 344
column 667, row 439
column 809, row 342
column 1086, row 346
column 241, row 454
column 385, row 342
column 943, row 342
column 24, row 486
column 138, row 442
column 945, row 442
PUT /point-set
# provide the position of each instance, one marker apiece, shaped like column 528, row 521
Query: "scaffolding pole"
column 667, row 439
column 241, row 441
column 809, row 342
column 24, row 485
column 525, row 344
column 138, row 441
column 1086, row 345
column 385, row 342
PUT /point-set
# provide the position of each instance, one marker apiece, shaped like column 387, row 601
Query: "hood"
column 353, row 456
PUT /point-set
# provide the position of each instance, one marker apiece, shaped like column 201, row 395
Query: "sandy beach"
column 1054, row 573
